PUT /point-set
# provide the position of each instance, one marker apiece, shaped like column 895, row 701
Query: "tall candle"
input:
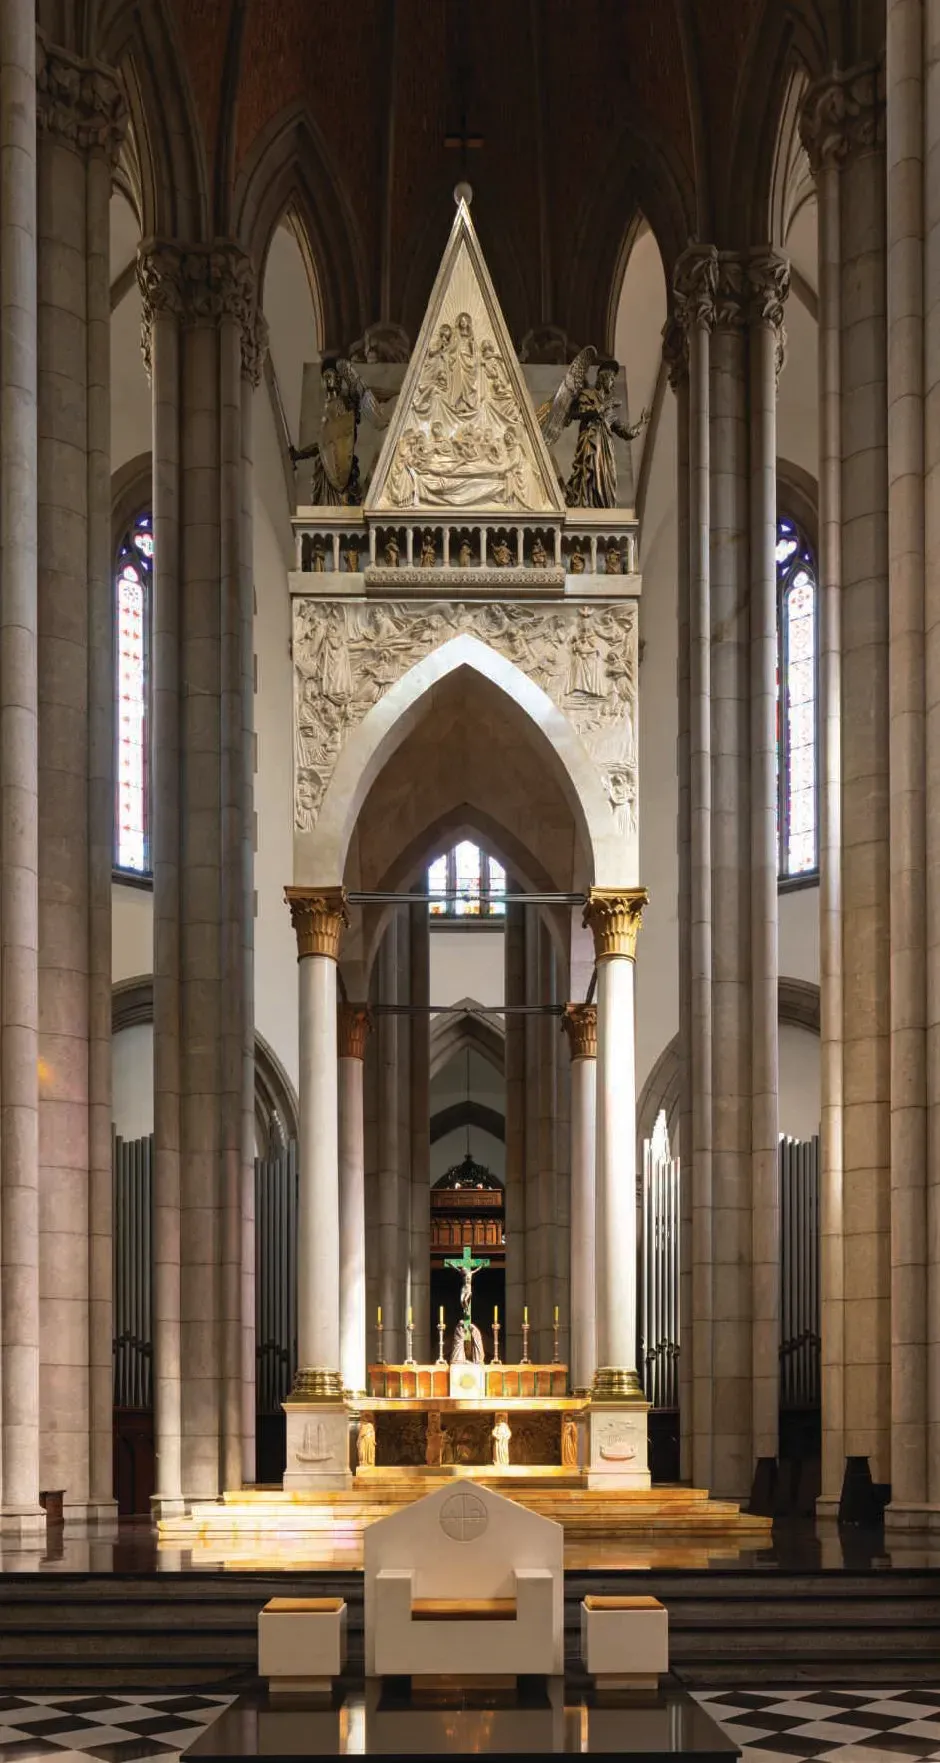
column 556, row 1312
column 495, row 1312
column 525, row 1313
column 379, row 1317
column 411, row 1316
column 440, row 1314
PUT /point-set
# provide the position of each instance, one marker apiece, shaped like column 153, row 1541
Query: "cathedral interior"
column 469, row 962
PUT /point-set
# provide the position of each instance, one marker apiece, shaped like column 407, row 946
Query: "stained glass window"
column 133, row 586
column 466, row 883
column 797, row 700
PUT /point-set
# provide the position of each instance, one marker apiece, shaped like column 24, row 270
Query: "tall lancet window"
column 133, row 588
column 466, row 883
column 797, row 703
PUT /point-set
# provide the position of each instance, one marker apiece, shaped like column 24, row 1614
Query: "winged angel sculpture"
column 592, row 482
column 334, row 480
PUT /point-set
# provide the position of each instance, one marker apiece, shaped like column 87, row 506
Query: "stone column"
column 419, row 1026
column 388, row 1241
column 204, row 341
column 353, row 1024
column 844, row 125
column 695, row 283
column 317, row 1426
column 832, row 1286
column 20, row 1512
column 768, row 281
column 931, row 82
column 618, row 1409
column 580, row 1025
column 515, row 1133
column 81, row 117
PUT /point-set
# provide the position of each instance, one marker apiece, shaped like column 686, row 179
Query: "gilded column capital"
column 203, row 284
column 353, row 1027
column 613, row 916
column 694, row 287
column 579, row 1023
column 844, row 114
column 79, row 102
column 319, row 917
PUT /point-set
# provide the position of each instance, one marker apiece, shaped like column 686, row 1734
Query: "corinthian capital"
column 580, row 1025
column 319, row 917
column 694, row 285
column 844, row 114
column 202, row 284
column 80, row 102
column 353, row 1025
column 613, row 916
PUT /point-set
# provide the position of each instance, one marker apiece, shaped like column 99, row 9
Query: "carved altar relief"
column 464, row 434
column 347, row 655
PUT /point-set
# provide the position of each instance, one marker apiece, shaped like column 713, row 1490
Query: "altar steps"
column 63, row 1630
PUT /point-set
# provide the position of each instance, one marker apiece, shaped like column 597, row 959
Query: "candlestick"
column 525, row 1339
column 440, row 1339
column 496, row 1360
column 409, row 1341
column 555, row 1359
column 525, row 1312
column 379, row 1336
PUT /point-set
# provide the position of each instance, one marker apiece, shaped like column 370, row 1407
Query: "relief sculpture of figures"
column 501, row 1437
column 334, row 480
column 592, row 482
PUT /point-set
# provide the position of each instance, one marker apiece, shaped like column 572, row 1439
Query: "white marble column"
column 418, row 1166
column 81, row 116
column 844, row 122
column 317, row 1427
column 695, row 282
column 390, row 1238
column 515, row 1133
column 618, row 1408
column 353, row 1024
column 20, row 1513
column 580, row 1025
column 768, row 280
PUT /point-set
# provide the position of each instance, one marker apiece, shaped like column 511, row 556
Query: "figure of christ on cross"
column 465, row 1335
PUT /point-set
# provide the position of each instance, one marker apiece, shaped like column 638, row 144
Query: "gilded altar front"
column 418, row 1419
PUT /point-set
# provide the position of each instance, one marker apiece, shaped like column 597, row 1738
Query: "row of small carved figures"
column 499, row 552
column 440, row 1448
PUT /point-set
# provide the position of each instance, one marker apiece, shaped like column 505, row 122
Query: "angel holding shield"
column 592, row 482
column 334, row 479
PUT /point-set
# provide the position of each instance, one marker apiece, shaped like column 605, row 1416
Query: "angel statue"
column 593, row 479
column 334, row 480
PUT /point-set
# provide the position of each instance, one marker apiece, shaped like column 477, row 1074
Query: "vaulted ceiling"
column 567, row 117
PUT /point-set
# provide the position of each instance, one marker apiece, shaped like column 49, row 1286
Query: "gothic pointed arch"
column 465, row 1027
column 168, row 166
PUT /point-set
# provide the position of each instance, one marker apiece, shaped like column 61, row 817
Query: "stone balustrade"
column 535, row 553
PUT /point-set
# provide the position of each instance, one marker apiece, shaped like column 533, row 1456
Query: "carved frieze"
column 347, row 656
column 79, row 101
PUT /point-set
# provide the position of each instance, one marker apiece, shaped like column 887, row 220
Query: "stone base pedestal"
column 618, row 1441
column 900, row 1518
column 317, row 1446
column 26, row 1523
column 95, row 1514
column 163, row 1507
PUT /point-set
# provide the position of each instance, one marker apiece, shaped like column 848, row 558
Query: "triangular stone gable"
column 463, row 438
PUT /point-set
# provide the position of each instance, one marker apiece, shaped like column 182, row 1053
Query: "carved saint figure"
column 502, row 555
column 585, row 674
column 501, row 1436
column 466, row 1334
column 365, row 1443
column 539, row 554
column 592, row 482
column 428, row 551
column 330, row 662
column 319, row 558
column 334, row 479
column 351, row 557
column 576, row 563
column 390, row 552
column 464, row 554
column 612, row 561
column 434, row 1444
column 569, row 1441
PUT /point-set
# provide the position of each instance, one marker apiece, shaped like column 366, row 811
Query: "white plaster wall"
column 799, row 934
column 131, row 932
column 291, row 320
column 799, row 1082
column 132, row 1079
column 467, row 964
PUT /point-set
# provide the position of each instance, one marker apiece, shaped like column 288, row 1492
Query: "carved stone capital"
column 80, row 102
column 202, row 284
column 694, row 286
column 383, row 341
column 353, row 1027
column 319, row 917
column 732, row 293
column 580, row 1025
column 613, row 917
column 768, row 281
column 844, row 114
column 675, row 353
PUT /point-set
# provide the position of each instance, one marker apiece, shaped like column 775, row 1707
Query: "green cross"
column 468, row 1266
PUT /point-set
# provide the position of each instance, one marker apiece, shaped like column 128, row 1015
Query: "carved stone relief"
column 347, row 656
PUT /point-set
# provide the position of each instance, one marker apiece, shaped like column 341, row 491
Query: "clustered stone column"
column 20, row 1512
column 580, row 1026
column 204, row 339
column 81, row 116
column 317, row 1427
column 728, row 316
column 618, row 1455
column 843, row 129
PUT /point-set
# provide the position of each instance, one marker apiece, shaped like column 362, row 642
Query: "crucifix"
column 468, row 1266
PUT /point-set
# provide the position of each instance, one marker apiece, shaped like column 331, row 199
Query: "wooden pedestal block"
column 625, row 1641
column 301, row 1644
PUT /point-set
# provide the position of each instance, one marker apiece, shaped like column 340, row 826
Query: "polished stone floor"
column 856, row 1725
column 796, row 1546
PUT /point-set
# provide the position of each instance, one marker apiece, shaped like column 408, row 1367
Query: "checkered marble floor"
column 114, row 1728
column 845, row 1726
